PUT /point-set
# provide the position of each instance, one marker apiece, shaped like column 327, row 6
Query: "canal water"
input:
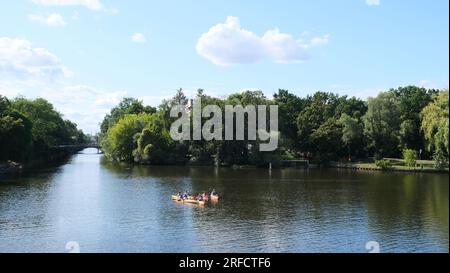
column 101, row 206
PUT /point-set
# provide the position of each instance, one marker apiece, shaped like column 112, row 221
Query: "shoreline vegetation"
column 397, row 165
column 403, row 129
column 408, row 123
column 31, row 132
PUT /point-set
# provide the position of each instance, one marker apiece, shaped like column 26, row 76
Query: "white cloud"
column 53, row 20
column 228, row 43
column 84, row 105
column 90, row 4
column 323, row 40
column 19, row 60
column 35, row 72
column 138, row 38
column 373, row 2
column 283, row 48
column 9, row 90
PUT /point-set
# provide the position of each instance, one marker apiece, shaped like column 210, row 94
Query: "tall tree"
column 352, row 132
column 382, row 124
column 320, row 107
column 290, row 107
column 15, row 133
column 412, row 100
column 29, row 128
column 435, row 125
column 48, row 127
column 127, row 106
column 120, row 140
column 328, row 141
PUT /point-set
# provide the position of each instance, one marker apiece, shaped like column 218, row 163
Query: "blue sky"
column 85, row 55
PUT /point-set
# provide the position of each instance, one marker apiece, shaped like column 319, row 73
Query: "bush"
column 410, row 157
column 120, row 140
column 440, row 160
column 383, row 164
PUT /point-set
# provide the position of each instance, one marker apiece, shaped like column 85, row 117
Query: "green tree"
column 412, row 100
column 382, row 125
column 289, row 106
column 127, row 106
column 353, row 107
column 324, row 109
column 352, row 132
column 408, row 134
column 4, row 104
column 263, row 159
column 49, row 129
column 202, row 152
column 328, row 141
column 435, row 125
column 121, row 139
column 166, row 105
column 15, row 137
column 239, row 152
column 29, row 128
column 320, row 107
column 156, row 147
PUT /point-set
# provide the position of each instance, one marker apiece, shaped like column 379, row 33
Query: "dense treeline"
column 322, row 127
column 30, row 128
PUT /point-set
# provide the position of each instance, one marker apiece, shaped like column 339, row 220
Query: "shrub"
column 410, row 157
column 383, row 164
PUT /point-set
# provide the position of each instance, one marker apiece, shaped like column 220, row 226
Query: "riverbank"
column 10, row 167
column 54, row 156
column 397, row 165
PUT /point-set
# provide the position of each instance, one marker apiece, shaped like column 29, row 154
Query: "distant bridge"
column 78, row 147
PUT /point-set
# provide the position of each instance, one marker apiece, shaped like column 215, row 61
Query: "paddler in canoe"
column 200, row 199
column 214, row 195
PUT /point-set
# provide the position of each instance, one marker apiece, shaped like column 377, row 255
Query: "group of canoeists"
column 200, row 198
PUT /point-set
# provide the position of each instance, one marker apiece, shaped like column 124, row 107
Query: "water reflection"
column 110, row 207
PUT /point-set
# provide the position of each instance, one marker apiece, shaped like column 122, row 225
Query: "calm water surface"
column 109, row 207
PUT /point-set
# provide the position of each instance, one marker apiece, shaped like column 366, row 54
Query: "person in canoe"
column 214, row 195
column 199, row 197
column 185, row 195
column 205, row 196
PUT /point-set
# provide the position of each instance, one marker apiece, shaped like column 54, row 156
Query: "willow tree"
column 435, row 125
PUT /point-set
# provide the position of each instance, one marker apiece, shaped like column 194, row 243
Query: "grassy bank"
column 396, row 164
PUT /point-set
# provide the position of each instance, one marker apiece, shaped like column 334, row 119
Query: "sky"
column 84, row 56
